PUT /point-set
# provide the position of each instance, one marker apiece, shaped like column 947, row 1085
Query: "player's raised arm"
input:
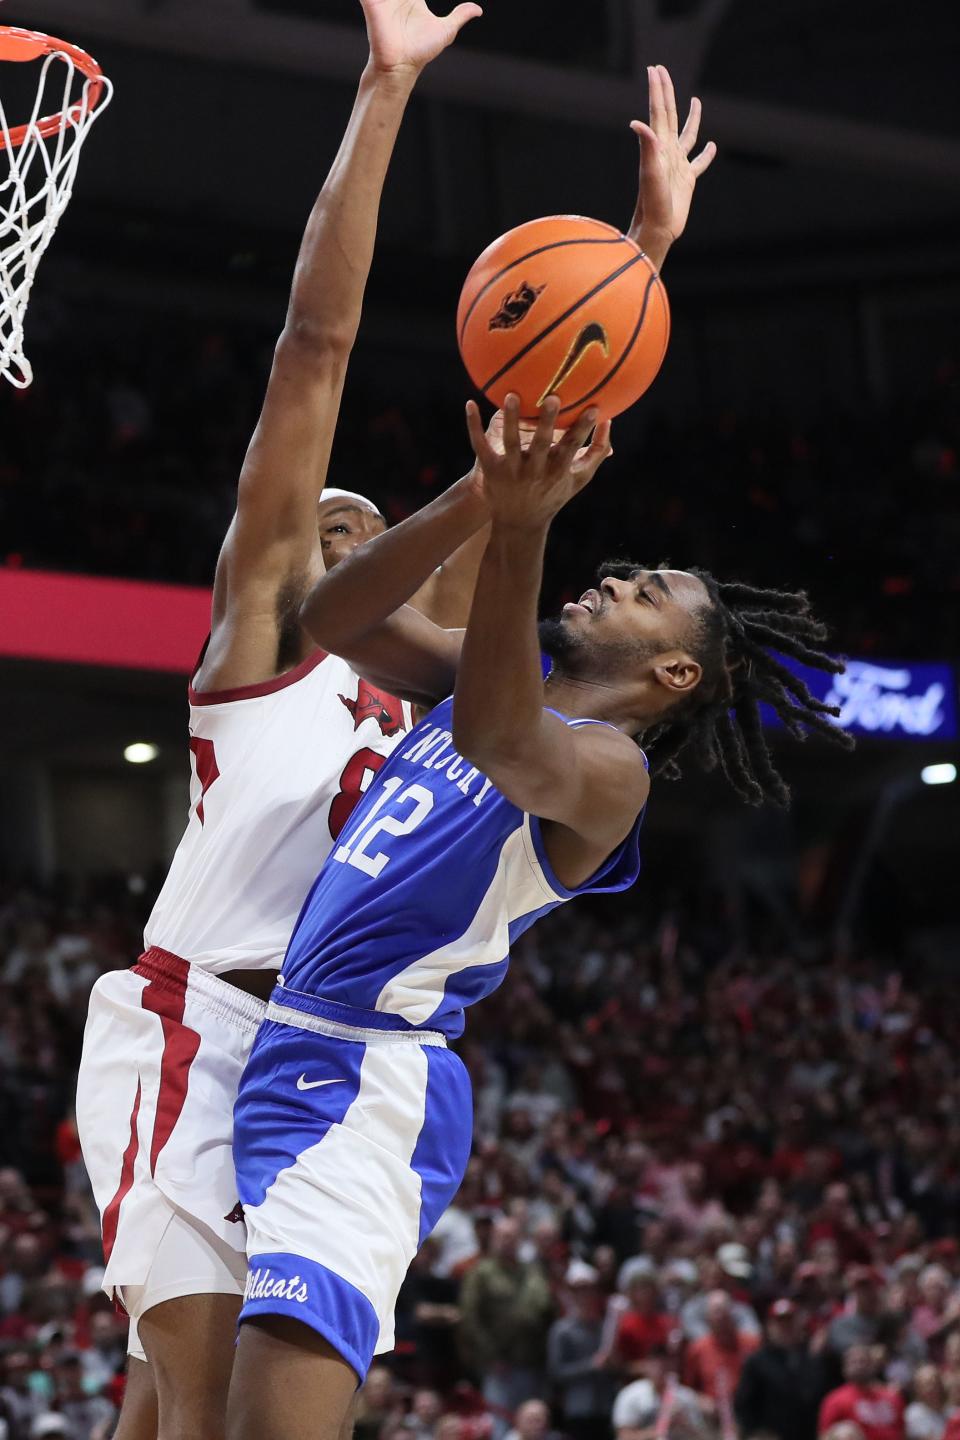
column 592, row 780
column 360, row 610
column 448, row 594
column 396, row 608
column 271, row 549
column 668, row 176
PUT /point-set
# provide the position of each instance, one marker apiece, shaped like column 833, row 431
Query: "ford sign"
column 909, row 701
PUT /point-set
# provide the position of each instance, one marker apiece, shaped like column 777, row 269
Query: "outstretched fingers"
column 460, row 16
column 512, row 443
column 546, row 424
column 482, row 448
column 669, row 99
column 576, row 437
column 690, row 131
column 705, row 159
column 649, row 143
column 590, row 459
column 658, row 106
column 579, row 432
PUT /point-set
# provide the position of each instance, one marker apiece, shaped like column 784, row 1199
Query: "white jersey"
column 277, row 769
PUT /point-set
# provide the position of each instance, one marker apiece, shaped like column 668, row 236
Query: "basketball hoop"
column 38, row 165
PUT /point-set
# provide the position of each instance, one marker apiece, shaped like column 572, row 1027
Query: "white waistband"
column 245, row 1011
column 301, row 1020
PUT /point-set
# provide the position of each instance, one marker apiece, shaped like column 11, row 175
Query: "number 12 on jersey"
column 356, row 852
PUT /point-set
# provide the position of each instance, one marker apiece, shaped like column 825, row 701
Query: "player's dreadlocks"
column 720, row 723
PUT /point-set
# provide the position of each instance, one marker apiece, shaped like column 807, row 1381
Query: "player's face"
column 636, row 634
column 342, row 527
column 652, row 612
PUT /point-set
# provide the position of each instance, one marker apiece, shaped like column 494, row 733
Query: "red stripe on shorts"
column 166, row 996
column 111, row 1215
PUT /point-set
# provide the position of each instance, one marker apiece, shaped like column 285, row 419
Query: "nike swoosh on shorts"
column 304, row 1084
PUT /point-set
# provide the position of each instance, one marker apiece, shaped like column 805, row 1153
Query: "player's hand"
column 405, row 35
column 495, row 441
column 526, row 485
column 495, row 437
column 668, row 176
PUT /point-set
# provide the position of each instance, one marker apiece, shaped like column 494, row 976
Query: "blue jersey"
column 435, row 875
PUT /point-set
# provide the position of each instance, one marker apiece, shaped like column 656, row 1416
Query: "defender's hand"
column 668, row 176
column 405, row 35
column 525, row 487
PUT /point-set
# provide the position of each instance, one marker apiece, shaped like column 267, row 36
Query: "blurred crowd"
column 713, row 1195
column 123, row 459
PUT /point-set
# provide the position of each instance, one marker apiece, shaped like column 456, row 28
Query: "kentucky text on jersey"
column 434, row 751
column 435, row 876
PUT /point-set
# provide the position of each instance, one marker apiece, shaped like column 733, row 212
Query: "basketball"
column 564, row 306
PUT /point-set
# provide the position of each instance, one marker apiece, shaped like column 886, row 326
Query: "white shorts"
column 352, row 1138
column 163, row 1051
column 190, row 1260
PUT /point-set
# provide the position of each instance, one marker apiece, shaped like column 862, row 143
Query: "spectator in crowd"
column 714, row 1362
column 835, row 1218
column 951, row 1358
column 731, row 1270
column 876, row 1408
column 506, row 1307
column 50, row 1425
column 450, row 1427
column 938, row 1309
column 657, row 1404
column 781, row 1384
column 578, row 1364
column 926, row 1415
column 844, row 1430
column 28, row 1259
column 428, row 1315
column 106, row 1354
column 426, row 1409
column 378, row 1405
column 860, row 1322
column 21, row 1402
column 687, row 1204
column 87, row 1416
column 644, row 1326
column 901, row 1345
column 532, row 1422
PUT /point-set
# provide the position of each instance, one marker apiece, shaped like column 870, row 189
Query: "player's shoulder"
column 618, row 752
column 211, row 689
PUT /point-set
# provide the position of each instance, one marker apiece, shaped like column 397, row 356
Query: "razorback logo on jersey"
column 373, row 704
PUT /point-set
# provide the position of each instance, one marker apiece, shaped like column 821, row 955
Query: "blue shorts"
column 350, row 1141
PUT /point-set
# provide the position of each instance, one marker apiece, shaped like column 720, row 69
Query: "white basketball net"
column 36, row 184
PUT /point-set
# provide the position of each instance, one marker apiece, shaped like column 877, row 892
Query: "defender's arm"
column 360, row 610
column 668, row 176
column 270, row 553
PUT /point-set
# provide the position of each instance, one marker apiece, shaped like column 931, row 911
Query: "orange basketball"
column 564, row 306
